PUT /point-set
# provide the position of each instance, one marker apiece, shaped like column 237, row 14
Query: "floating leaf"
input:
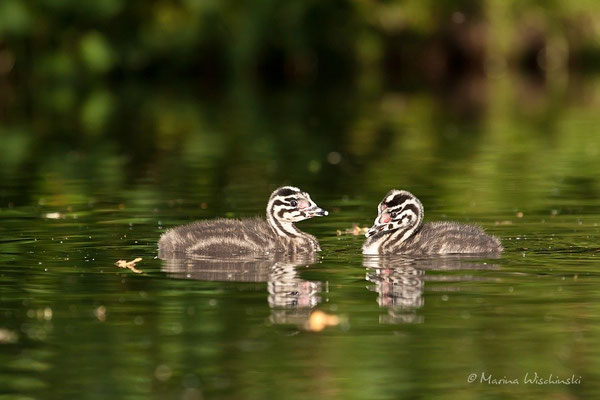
column 129, row 264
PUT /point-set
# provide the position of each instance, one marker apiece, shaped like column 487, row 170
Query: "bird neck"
column 386, row 239
column 282, row 228
column 402, row 234
column 288, row 230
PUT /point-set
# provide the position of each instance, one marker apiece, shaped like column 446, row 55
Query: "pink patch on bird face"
column 385, row 218
column 303, row 204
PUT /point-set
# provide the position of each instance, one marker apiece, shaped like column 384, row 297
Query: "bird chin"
column 375, row 229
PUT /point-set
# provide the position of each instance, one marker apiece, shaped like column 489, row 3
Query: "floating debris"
column 505, row 222
column 319, row 320
column 129, row 264
column 356, row 230
column 520, row 214
column 100, row 313
column 8, row 336
column 53, row 215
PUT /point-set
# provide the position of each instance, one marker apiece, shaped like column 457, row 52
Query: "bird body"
column 399, row 229
column 235, row 237
column 277, row 234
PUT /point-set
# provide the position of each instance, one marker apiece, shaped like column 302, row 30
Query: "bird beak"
column 379, row 224
column 374, row 229
column 318, row 212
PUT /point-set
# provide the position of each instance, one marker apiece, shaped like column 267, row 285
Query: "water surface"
column 73, row 325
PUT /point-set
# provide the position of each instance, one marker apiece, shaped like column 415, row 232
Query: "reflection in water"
column 291, row 299
column 400, row 282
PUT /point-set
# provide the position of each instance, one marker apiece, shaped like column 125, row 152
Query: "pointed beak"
column 317, row 212
column 379, row 224
column 374, row 229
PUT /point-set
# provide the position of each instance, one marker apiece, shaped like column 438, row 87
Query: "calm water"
column 73, row 325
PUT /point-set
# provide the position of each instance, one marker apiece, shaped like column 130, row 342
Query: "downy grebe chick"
column 399, row 229
column 277, row 234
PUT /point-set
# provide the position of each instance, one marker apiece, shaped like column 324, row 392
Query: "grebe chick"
column 220, row 237
column 399, row 229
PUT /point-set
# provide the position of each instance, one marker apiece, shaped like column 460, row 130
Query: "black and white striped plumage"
column 277, row 234
column 399, row 229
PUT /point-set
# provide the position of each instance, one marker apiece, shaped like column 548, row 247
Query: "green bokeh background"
column 128, row 117
column 124, row 88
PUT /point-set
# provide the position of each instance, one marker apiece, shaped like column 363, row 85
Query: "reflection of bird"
column 399, row 229
column 399, row 286
column 277, row 234
column 291, row 298
column 400, row 281
column 287, row 290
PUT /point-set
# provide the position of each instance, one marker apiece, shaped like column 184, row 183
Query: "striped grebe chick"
column 278, row 234
column 399, row 229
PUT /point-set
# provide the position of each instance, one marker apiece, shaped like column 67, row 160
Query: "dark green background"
column 129, row 117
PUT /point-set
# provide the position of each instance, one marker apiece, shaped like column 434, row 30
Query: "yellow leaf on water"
column 100, row 313
column 129, row 264
column 356, row 230
column 319, row 320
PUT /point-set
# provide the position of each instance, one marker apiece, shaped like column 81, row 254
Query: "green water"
column 76, row 196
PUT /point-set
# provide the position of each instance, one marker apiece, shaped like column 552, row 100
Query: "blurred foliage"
column 257, row 92
column 526, row 146
column 292, row 41
column 124, row 116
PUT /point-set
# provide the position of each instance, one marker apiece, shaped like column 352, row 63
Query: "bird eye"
column 294, row 203
column 393, row 214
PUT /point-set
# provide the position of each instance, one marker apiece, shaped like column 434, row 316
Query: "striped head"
column 399, row 209
column 289, row 204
